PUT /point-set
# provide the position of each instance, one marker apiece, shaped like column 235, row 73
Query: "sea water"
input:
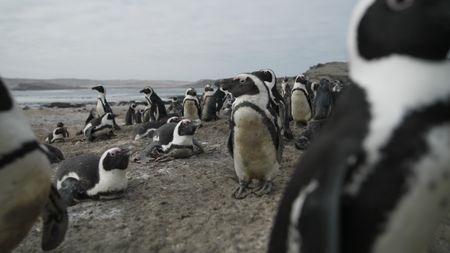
column 36, row 97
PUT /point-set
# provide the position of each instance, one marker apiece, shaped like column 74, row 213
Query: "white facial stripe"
column 69, row 175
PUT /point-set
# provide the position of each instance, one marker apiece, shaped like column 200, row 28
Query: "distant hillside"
column 332, row 70
column 200, row 83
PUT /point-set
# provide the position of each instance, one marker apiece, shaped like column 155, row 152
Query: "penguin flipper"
column 230, row 142
column 55, row 221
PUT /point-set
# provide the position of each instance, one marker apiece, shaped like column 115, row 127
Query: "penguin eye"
column 242, row 81
column 399, row 5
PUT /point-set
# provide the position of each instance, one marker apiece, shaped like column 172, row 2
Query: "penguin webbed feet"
column 55, row 221
column 241, row 191
column 264, row 187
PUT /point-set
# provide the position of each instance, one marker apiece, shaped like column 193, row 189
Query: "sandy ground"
column 183, row 205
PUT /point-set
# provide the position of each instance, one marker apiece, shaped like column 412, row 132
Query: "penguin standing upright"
column 254, row 139
column 25, row 187
column 130, row 116
column 155, row 106
column 286, row 93
column 300, row 102
column 92, row 176
column 139, row 112
column 209, row 104
column 378, row 177
column 103, row 106
column 191, row 105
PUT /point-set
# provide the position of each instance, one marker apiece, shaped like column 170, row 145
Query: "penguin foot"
column 55, row 221
column 241, row 191
column 265, row 187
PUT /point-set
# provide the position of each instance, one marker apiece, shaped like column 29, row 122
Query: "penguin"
column 300, row 102
column 377, row 179
column 175, row 107
column 53, row 153
column 286, row 93
column 209, row 104
column 103, row 106
column 139, row 112
column 254, row 137
column 90, row 176
column 58, row 134
column 174, row 140
column 276, row 105
column 99, row 126
column 130, row 116
column 191, row 105
column 26, row 191
column 155, row 106
column 147, row 128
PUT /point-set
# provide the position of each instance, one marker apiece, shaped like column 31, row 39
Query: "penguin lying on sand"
column 97, row 127
column 92, row 176
column 254, row 139
column 25, row 187
column 58, row 134
column 174, row 140
column 377, row 179
column 146, row 129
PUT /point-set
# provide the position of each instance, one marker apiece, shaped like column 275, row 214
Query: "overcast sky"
column 168, row 39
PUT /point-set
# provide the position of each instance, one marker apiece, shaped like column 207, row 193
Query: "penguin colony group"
column 375, row 179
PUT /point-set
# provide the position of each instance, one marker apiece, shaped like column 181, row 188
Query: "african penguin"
column 99, row 127
column 276, row 106
column 175, row 107
column 174, row 140
column 191, row 105
column 155, row 106
column 254, row 138
column 300, row 102
column 147, row 128
column 139, row 112
column 378, row 177
column 209, row 105
column 58, row 134
column 90, row 176
column 130, row 116
column 286, row 92
column 25, row 187
column 103, row 106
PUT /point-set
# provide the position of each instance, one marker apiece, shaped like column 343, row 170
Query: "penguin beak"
column 226, row 84
column 98, row 88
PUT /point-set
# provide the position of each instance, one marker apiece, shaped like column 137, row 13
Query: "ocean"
column 38, row 97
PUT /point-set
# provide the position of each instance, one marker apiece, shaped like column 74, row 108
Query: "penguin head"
column 133, row 105
column 174, row 119
column 147, row 91
column 6, row 102
column 60, row 124
column 174, row 99
column 267, row 76
column 300, row 79
column 286, row 79
column 414, row 28
column 243, row 84
column 191, row 92
column 115, row 158
column 208, row 87
column 99, row 89
column 186, row 127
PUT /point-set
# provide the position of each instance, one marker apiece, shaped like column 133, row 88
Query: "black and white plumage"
column 286, row 93
column 53, row 153
column 175, row 107
column 155, row 106
column 174, row 140
column 99, row 127
column 92, row 176
column 130, row 116
column 191, row 105
column 378, row 177
column 301, row 107
column 209, row 105
column 254, row 139
column 25, row 187
column 148, row 128
column 276, row 105
column 58, row 134
column 139, row 113
column 102, row 105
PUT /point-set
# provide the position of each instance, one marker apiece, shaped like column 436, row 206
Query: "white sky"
column 168, row 39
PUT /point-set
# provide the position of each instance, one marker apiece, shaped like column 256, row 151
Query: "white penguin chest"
column 109, row 181
column 254, row 151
